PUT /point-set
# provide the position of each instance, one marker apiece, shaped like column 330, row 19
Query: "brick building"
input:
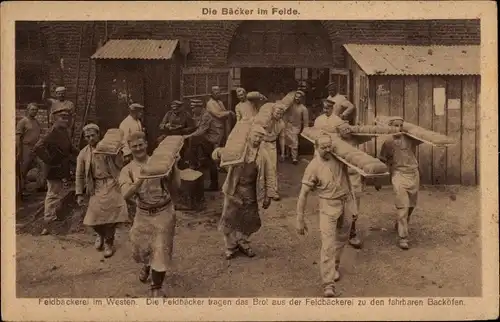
column 270, row 56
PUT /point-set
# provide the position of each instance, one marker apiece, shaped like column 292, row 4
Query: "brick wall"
column 210, row 42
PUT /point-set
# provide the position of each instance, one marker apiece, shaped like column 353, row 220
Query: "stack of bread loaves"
column 363, row 163
column 418, row 132
column 111, row 143
column 164, row 157
column 236, row 144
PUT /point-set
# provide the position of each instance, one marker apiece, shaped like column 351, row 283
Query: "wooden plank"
column 478, row 131
column 454, row 119
column 396, row 98
column 468, row 131
column 370, row 114
column 411, row 101
column 382, row 92
column 425, row 112
column 439, row 153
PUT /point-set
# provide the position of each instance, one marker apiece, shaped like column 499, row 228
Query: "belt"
column 270, row 141
column 157, row 209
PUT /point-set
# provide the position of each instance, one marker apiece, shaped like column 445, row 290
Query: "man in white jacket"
column 132, row 123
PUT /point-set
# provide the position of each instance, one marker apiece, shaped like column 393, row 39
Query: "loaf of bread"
column 164, row 157
column 363, row 163
column 234, row 150
column 373, row 129
column 288, row 99
column 111, row 143
column 265, row 114
column 419, row 132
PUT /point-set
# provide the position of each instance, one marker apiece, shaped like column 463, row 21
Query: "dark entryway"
column 269, row 81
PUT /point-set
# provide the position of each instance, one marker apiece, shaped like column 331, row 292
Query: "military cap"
column 176, row 103
column 299, row 92
column 60, row 89
column 91, row 126
column 135, row 106
column 254, row 96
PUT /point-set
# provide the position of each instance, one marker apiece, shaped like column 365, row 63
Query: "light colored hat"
column 135, row 106
column 299, row 92
column 254, row 96
column 330, row 85
column 60, row 89
column 62, row 110
column 176, row 103
column 30, row 105
column 394, row 118
column 196, row 103
column 91, row 126
column 240, row 90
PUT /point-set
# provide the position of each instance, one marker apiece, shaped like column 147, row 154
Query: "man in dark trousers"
column 57, row 152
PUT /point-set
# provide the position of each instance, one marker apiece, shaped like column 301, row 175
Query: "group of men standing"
column 113, row 181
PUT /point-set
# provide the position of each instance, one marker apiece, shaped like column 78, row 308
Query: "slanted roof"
column 416, row 60
column 137, row 49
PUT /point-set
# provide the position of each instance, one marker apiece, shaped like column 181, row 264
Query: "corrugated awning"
column 416, row 60
column 137, row 49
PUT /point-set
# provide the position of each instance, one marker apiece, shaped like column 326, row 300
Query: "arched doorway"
column 272, row 57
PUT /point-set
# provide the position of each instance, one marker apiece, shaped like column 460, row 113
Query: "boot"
column 144, row 273
column 99, row 243
column 157, row 279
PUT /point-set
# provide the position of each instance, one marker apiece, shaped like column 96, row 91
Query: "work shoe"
column 295, row 161
column 45, row 232
column 403, row 244
column 355, row 242
column 276, row 198
column 246, row 250
column 231, row 253
column 108, row 250
column 144, row 274
column 99, row 243
column 336, row 277
column 330, row 291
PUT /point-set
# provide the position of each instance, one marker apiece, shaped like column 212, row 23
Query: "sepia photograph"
column 317, row 159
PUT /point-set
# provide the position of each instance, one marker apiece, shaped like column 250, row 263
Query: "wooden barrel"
column 192, row 193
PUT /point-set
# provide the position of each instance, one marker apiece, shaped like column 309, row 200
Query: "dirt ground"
column 444, row 259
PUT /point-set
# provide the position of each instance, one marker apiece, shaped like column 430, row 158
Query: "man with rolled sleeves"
column 245, row 110
column 57, row 151
column 28, row 133
column 398, row 152
column 176, row 121
column 207, row 137
column 219, row 114
column 343, row 108
column 328, row 176
column 132, row 123
column 296, row 118
column 328, row 122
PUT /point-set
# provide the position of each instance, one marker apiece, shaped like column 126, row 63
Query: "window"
column 235, row 77
column 301, row 74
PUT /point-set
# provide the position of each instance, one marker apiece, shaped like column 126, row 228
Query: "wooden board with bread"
column 236, row 144
column 418, row 133
column 361, row 162
column 111, row 143
column 164, row 158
